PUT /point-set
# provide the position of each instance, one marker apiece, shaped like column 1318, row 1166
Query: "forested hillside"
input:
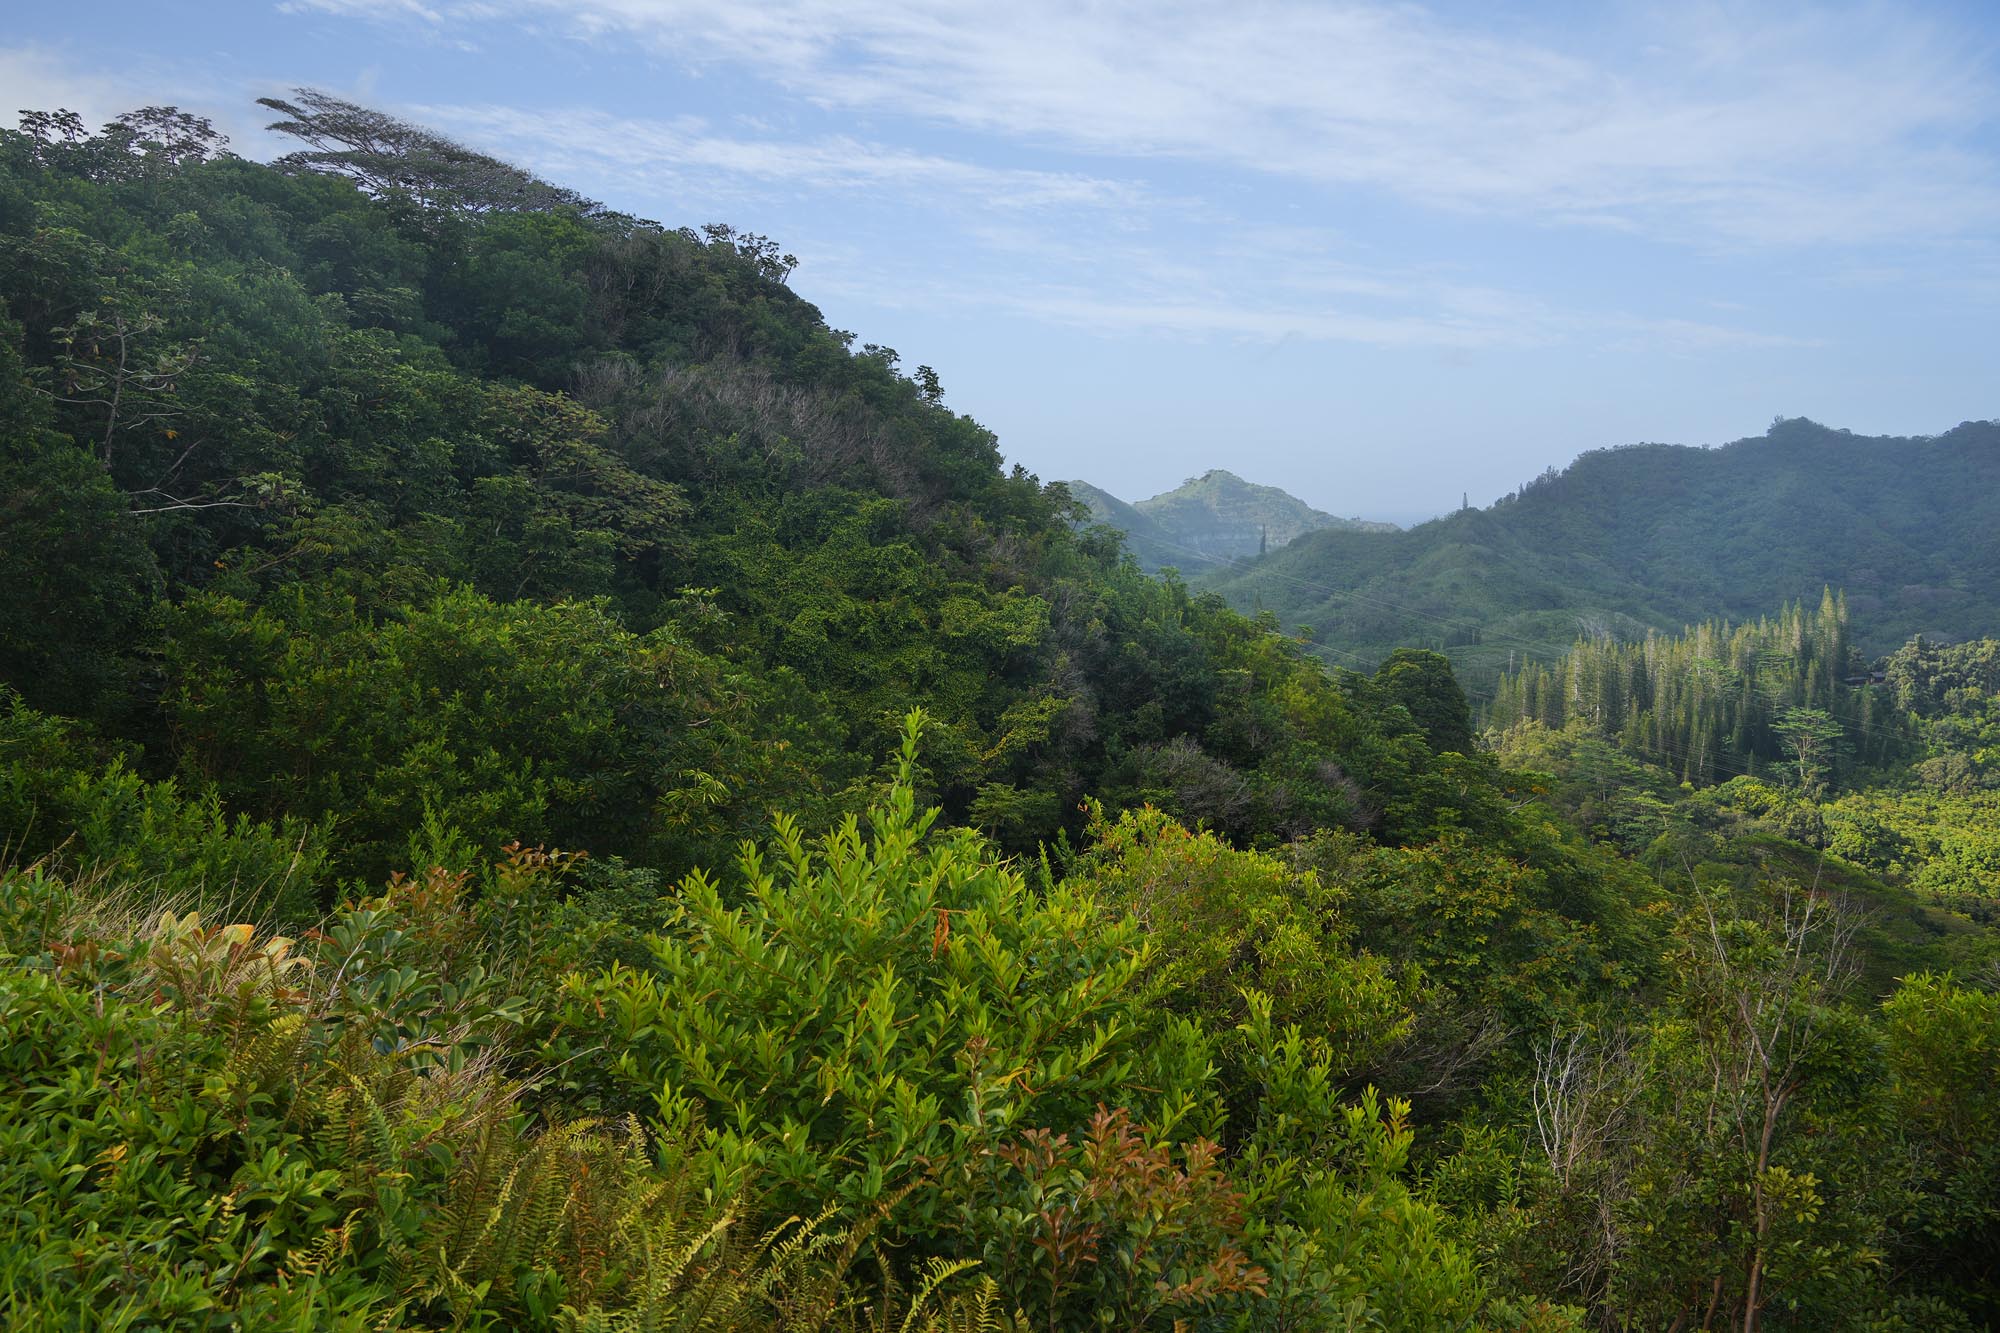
column 541, row 787
column 1893, row 770
column 381, row 424
column 1211, row 520
column 1660, row 537
column 1784, row 693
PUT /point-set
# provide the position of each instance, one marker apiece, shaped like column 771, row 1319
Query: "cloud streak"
column 1755, row 126
column 1065, row 248
column 37, row 79
column 646, row 147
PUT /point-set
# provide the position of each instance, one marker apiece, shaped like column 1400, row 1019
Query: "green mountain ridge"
column 1212, row 520
column 1661, row 536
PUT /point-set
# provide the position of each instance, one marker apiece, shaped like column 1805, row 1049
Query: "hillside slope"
column 1211, row 520
column 575, row 529
column 1663, row 535
column 1152, row 545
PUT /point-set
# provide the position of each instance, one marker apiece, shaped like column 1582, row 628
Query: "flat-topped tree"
column 387, row 156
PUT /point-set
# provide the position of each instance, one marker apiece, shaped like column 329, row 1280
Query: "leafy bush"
column 204, row 1126
column 95, row 817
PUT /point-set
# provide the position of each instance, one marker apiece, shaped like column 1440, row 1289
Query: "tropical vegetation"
column 543, row 788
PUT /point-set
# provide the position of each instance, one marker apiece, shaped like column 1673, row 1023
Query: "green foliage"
column 1115, row 1228
column 1735, row 1156
column 1422, row 683
column 83, row 589
column 207, row 1126
column 897, row 1009
column 1944, row 1054
column 64, row 803
column 515, row 721
column 1946, row 848
column 1219, row 922
column 1348, row 1243
column 1926, row 830
column 1717, row 701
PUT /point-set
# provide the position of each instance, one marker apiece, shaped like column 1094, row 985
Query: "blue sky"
column 1379, row 254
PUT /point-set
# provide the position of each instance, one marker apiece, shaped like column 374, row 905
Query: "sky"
column 1384, row 255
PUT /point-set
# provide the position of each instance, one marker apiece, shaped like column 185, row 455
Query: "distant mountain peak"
column 1211, row 520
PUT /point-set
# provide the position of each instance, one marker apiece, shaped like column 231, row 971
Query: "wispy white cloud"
column 1207, row 316
column 645, row 148
column 1093, row 253
column 378, row 9
column 1762, row 125
column 37, row 79
column 46, row 78
column 1523, row 324
column 1239, row 291
column 1108, row 253
column 1706, row 125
